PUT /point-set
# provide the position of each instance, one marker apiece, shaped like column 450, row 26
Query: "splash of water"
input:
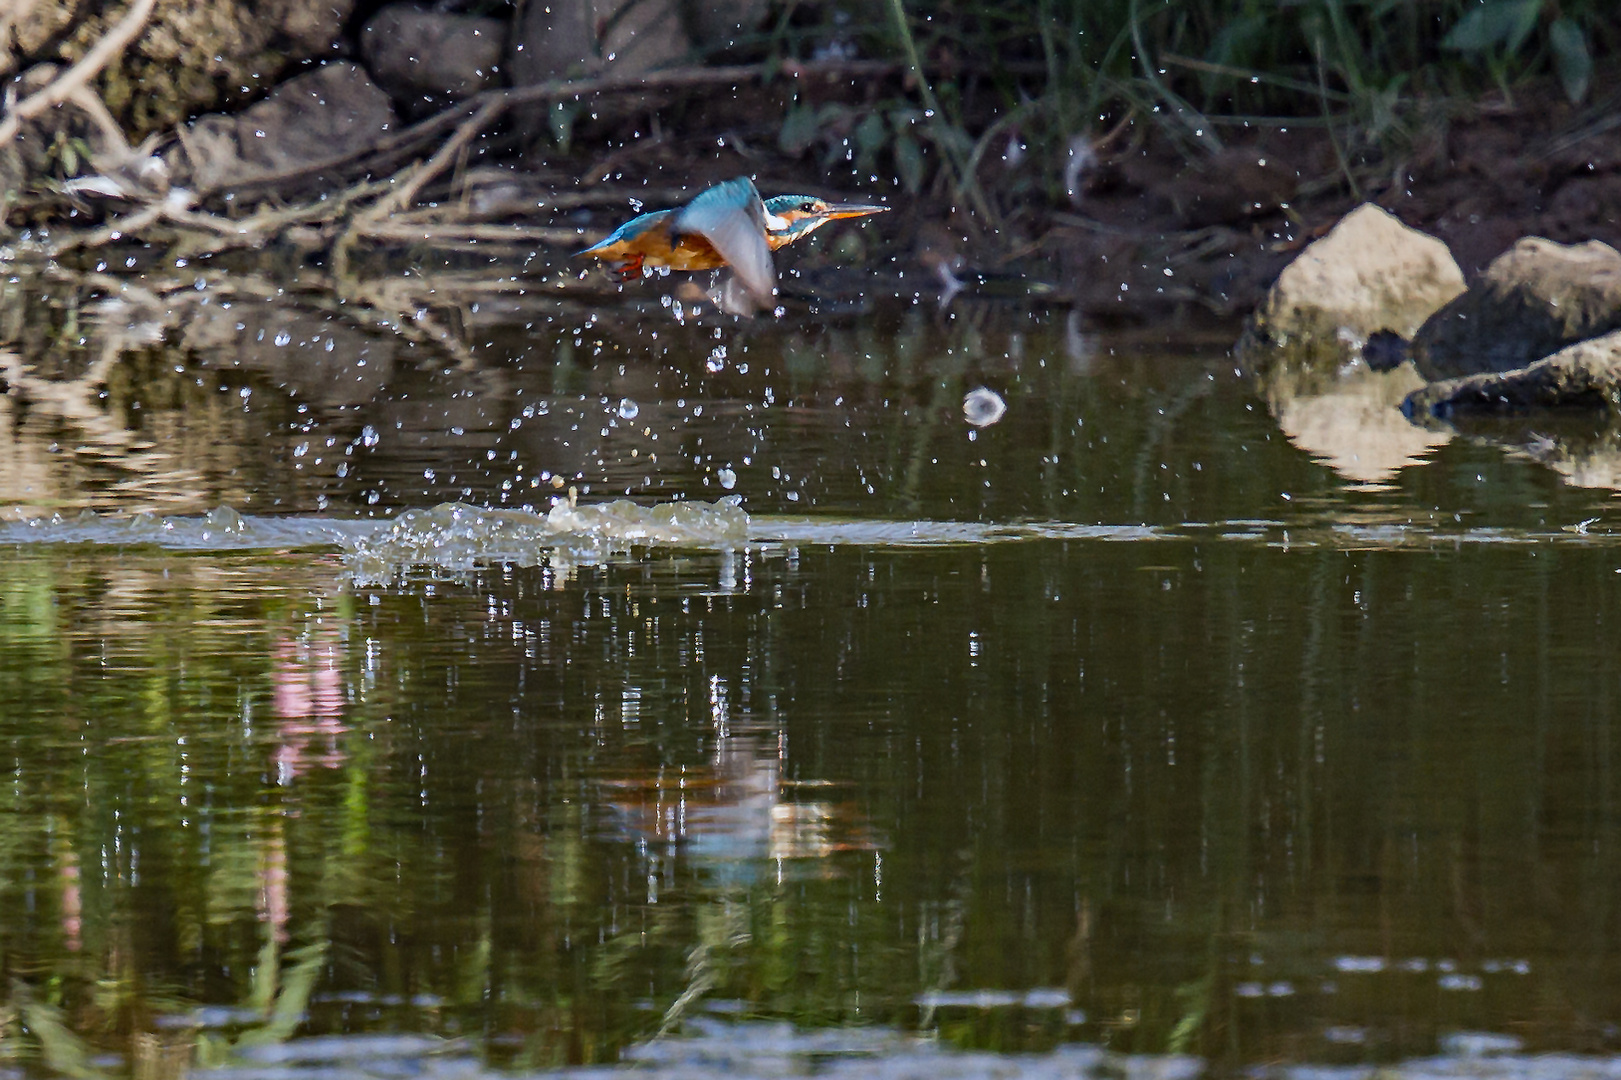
column 457, row 537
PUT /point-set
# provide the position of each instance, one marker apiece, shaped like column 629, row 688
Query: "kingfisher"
column 726, row 225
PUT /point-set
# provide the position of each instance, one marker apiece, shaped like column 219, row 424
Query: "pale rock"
column 1370, row 273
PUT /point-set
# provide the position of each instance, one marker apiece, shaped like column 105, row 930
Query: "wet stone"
column 1586, row 375
column 1533, row 300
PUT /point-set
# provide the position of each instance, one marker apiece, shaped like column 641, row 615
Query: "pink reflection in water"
column 309, row 701
column 72, row 900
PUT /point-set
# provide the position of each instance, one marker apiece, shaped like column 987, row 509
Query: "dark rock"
column 414, row 53
column 1385, row 350
column 1534, row 299
column 1584, row 375
column 551, row 40
column 314, row 117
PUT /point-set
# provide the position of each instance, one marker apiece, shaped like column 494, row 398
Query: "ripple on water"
column 222, row 529
column 768, row 1050
column 457, row 537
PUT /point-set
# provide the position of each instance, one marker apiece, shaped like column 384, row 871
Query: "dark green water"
column 1169, row 714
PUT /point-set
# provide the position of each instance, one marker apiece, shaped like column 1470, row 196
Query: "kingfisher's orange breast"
column 691, row 251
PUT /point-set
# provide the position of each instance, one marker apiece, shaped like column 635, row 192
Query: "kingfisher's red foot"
column 629, row 270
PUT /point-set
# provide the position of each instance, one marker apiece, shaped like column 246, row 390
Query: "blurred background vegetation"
column 1048, row 78
column 1043, row 77
column 993, row 114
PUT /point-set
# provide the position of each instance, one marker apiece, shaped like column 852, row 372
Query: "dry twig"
column 405, row 194
column 406, row 143
column 92, row 106
column 452, row 231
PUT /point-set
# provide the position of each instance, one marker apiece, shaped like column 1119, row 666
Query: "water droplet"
column 982, row 407
column 727, row 478
column 628, row 409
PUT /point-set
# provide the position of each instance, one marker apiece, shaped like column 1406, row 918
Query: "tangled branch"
column 77, row 78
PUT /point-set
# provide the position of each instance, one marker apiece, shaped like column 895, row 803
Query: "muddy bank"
column 512, row 140
column 1141, row 238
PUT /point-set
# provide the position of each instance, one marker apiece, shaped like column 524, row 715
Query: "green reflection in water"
column 1226, row 798
column 1320, row 771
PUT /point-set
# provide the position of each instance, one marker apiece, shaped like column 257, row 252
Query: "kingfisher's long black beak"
column 835, row 211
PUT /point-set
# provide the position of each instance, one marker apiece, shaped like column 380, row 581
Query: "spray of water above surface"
column 453, row 538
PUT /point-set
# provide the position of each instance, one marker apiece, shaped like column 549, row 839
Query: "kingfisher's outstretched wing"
column 621, row 239
column 731, row 216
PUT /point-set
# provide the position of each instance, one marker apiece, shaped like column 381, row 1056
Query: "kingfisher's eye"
column 809, row 206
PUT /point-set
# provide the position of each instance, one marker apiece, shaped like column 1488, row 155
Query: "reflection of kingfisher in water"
column 726, row 225
column 736, row 815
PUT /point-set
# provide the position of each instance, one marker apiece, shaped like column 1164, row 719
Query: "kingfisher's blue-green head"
column 793, row 217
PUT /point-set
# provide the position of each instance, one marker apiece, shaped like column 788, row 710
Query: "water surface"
column 1183, row 718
